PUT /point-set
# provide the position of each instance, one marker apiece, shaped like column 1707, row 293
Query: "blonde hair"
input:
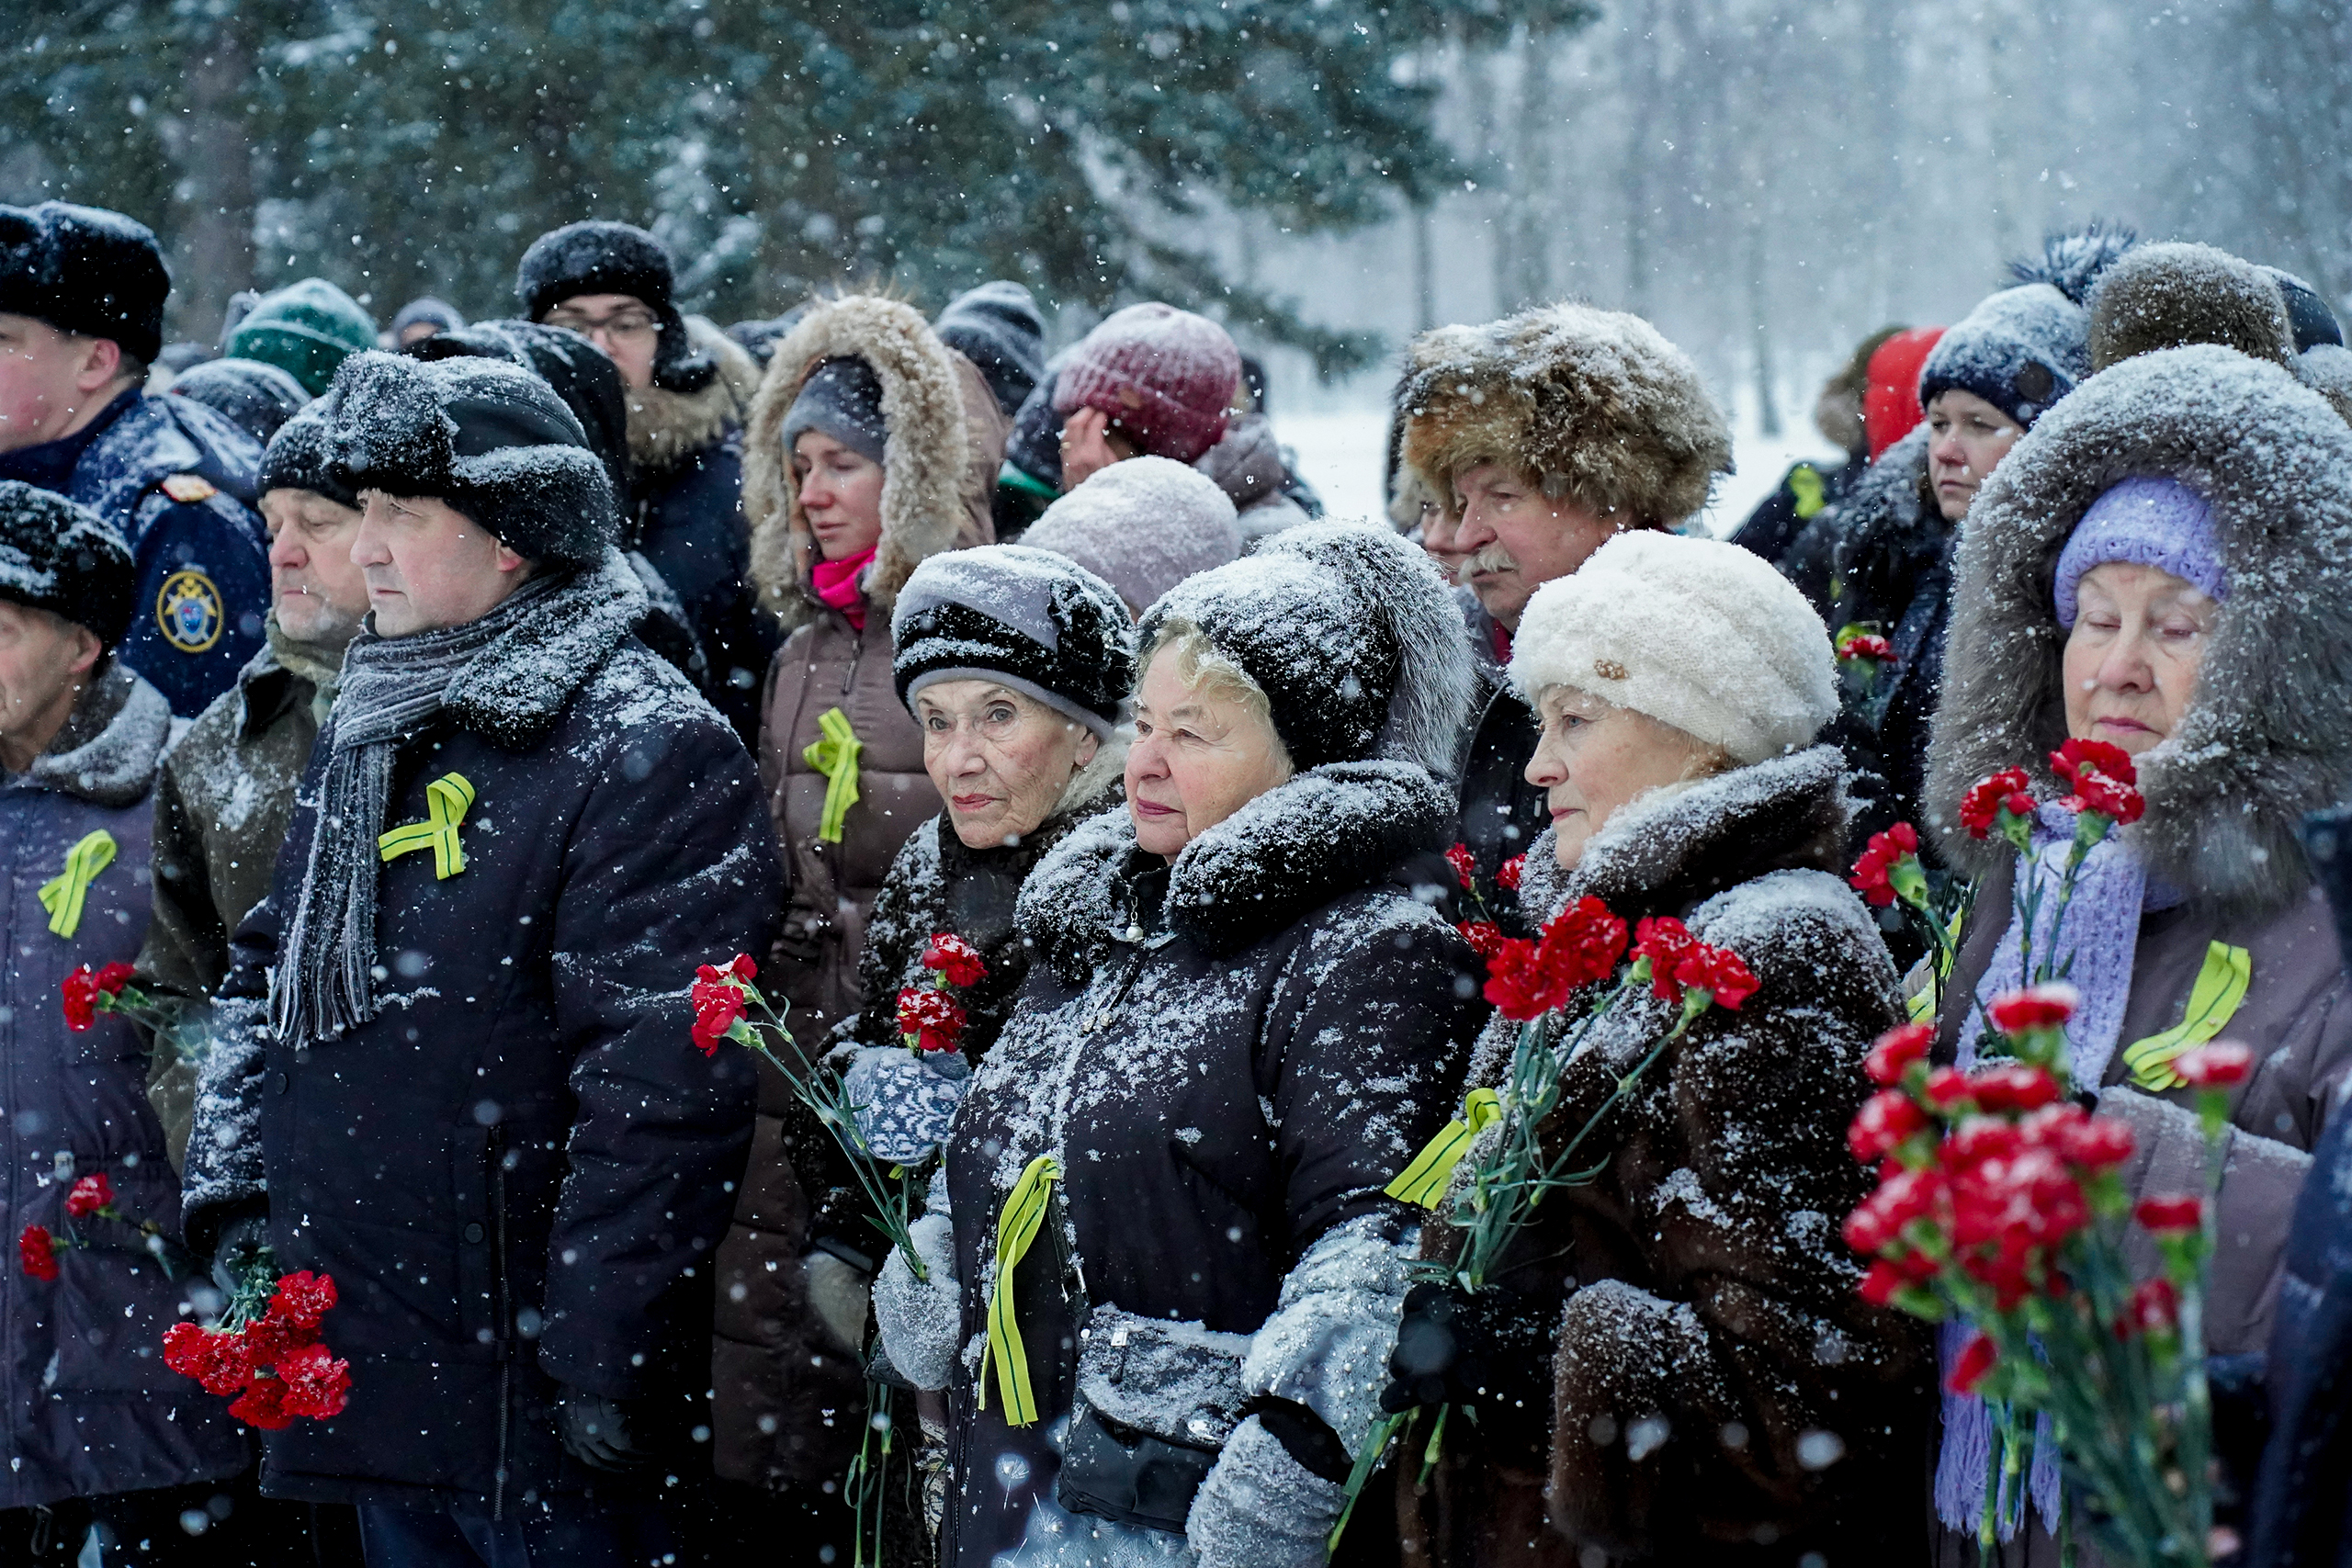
column 1207, row 673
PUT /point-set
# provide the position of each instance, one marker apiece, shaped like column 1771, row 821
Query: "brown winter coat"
column 1703, row 1278
column 789, row 1395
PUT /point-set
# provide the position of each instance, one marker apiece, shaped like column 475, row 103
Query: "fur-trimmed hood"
column 1596, row 405
column 2266, row 738
column 923, row 464
column 1324, row 833
column 665, row 427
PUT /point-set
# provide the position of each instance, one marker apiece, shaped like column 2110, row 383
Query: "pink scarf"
column 836, row 584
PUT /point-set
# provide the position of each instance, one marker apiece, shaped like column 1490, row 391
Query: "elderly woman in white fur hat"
column 1703, row 1384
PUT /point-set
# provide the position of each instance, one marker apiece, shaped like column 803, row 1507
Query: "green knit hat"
column 305, row 330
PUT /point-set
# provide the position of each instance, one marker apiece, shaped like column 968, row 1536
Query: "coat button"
column 474, row 1232
column 281, row 1083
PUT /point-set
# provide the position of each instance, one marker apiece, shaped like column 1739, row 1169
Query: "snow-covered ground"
column 1341, row 454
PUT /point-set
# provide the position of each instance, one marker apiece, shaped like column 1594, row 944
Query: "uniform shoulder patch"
column 188, row 611
column 189, row 489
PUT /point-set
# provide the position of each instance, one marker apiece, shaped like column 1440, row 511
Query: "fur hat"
column 582, row 374
column 305, row 329
column 65, row 559
column 1696, row 633
column 1350, row 632
column 489, row 437
column 2024, row 349
column 1593, row 405
column 1143, row 525
column 2168, row 295
column 252, row 394
column 1029, row 619
column 1164, row 376
column 301, row 456
column 85, row 270
column 597, row 256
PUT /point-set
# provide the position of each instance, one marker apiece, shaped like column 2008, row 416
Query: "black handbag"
column 1153, row 1405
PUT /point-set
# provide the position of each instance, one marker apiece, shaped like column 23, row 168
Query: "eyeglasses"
column 620, row 324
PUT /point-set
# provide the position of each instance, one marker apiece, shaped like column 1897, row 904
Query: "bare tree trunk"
column 1759, row 317
column 1424, row 223
column 215, row 248
column 1643, row 87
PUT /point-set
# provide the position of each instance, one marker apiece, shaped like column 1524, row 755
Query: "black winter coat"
column 1501, row 812
column 518, row 1170
column 689, row 523
column 1229, row 1057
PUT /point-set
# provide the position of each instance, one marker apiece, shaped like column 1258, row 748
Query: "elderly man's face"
column 1510, row 538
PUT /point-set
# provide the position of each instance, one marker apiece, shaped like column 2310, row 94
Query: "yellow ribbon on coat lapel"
column 1424, row 1181
column 62, row 895
column 445, row 800
column 1016, row 1227
column 2222, row 983
column 835, row 757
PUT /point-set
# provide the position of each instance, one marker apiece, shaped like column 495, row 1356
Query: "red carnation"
column 1484, row 937
column 219, row 1361
column 90, row 1194
column 1949, row 1088
column 1662, row 942
column 302, row 1300
column 1517, row 984
column 1465, row 868
column 2036, row 1006
column 1508, row 874
column 1886, row 1119
column 932, row 1016
column 2103, row 778
column 317, row 1385
column 37, row 1249
column 2013, row 1087
column 2154, row 1308
column 1719, row 972
column 1876, row 872
column 263, row 1404
column 1893, row 1052
column 1865, row 645
column 1976, row 1358
column 1879, row 1283
column 954, row 957
column 2078, row 1137
column 83, row 986
column 1980, row 807
column 2171, row 1216
column 2217, row 1066
column 717, row 1002
column 1584, row 943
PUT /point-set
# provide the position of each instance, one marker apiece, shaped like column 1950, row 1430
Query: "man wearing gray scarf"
column 453, row 1069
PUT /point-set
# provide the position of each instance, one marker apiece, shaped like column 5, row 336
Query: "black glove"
column 245, row 1241
column 1490, row 1349
column 596, row 1431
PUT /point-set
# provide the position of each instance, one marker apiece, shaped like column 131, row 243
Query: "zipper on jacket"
column 494, row 1151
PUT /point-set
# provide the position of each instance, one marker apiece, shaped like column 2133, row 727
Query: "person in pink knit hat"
column 1150, row 380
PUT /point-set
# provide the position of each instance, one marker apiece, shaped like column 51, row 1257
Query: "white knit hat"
column 1143, row 526
column 1696, row 633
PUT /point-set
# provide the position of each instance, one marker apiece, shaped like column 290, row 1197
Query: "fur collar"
column 517, row 688
column 2267, row 736
column 665, row 427
column 1327, row 832
column 107, row 751
column 1672, row 850
column 924, row 459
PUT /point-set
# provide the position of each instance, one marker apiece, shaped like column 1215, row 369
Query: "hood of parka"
column 2266, row 737
column 925, row 456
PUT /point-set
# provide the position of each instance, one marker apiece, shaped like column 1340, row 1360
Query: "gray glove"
column 1261, row 1508
column 594, row 1431
column 244, row 1242
column 921, row 1320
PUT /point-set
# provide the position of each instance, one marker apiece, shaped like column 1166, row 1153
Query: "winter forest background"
column 1767, row 181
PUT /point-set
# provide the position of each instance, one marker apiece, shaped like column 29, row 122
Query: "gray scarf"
column 391, row 689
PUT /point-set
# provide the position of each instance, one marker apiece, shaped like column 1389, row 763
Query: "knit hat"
column 2149, row 520
column 251, row 394
column 1891, row 406
column 601, row 257
column 63, row 557
column 1143, row 526
column 85, row 270
column 1164, row 376
column 2024, row 349
column 1696, row 633
column 301, row 456
column 2170, row 295
column 582, row 374
column 490, row 438
column 842, row 399
column 425, row 310
column 1033, row 451
column 306, row 329
column 1028, row 619
column 997, row 327
column 1350, row 633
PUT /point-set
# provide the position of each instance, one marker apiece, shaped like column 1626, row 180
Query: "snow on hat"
column 998, row 328
column 2149, row 520
column 301, row 456
column 254, row 396
column 842, row 399
column 489, row 437
column 1696, row 633
column 1350, row 633
column 2024, row 349
column 2171, row 295
column 1164, row 376
column 1891, row 406
column 602, row 257
column 88, row 271
column 1143, row 526
column 65, row 559
column 306, row 329
column 425, row 310
column 1025, row 619
column 582, row 374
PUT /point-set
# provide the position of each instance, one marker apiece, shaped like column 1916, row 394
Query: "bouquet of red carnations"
column 265, row 1350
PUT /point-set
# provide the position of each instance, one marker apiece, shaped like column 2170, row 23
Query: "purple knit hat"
column 2149, row 521
column 1165, row 376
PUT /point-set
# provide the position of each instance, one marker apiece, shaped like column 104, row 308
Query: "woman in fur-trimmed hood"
column 2165, row 564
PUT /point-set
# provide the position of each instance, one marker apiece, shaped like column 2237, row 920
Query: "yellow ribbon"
column 1016, row 1227
column 2222, row 982
column 1424, row 1180
column 835, row 757
column 1804, row 483
column 61, row 894
column 446, row 799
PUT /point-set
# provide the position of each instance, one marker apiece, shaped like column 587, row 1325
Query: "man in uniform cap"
column 82, row 295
